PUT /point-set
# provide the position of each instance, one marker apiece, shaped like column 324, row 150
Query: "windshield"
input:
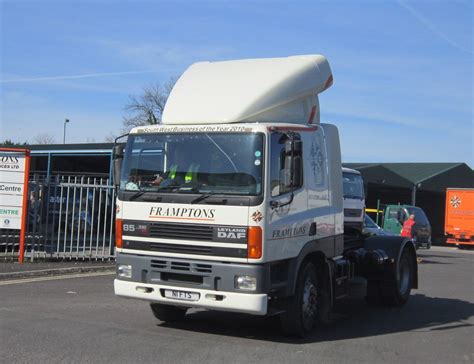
column 353, row 186
column 368, row 222
column 200, row 163
column 420, row 216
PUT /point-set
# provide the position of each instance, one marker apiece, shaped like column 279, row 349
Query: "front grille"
column 203, row 268
column 352, row 212
column 162, row 265
column 180, row 266
column 185, row 249
column 181, row 231
column 180, row 278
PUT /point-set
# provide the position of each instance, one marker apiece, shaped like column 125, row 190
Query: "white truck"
column 235, row 202
column 354, row 200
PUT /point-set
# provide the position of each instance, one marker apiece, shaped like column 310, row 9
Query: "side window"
column 397, row 214
column 277, row 163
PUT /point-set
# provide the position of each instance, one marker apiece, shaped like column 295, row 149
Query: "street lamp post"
column 64, row 135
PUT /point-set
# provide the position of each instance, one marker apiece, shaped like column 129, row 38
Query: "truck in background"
column 459, row 218
column 395, row 216
column 354, row 199
column 235, row 202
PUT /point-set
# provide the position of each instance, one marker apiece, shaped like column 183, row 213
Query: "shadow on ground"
column 429, row 261
column 353, row 320
column 425, row 255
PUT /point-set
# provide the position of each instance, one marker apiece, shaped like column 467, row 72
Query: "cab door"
column 394, row 218
column 287, row 228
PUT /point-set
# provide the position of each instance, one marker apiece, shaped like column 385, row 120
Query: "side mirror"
column 285, row 175
column 292, row 172
column 297, row 171
column 293, row 146
column 117, row 156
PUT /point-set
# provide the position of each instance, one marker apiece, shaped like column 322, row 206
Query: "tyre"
column 373, row 293
column 168, row 313
column 308, row 305
column 397, row 292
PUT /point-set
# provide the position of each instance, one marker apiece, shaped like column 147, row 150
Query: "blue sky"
column 403, row 70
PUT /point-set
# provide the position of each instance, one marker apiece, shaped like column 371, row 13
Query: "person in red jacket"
column 407, row 230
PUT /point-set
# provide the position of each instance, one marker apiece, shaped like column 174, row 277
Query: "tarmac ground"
column 13, row 270
column 77, row 318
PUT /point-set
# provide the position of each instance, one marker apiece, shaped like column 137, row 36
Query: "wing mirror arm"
column 117, row 160
column 292, row 176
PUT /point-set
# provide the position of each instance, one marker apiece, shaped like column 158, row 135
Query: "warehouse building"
column 419, row 184
column 90, row 160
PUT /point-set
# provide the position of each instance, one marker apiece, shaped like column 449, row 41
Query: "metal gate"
column 69, row 217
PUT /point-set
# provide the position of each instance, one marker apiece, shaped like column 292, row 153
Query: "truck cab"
column 354, row 199
column 235, row 201
column 234, row 224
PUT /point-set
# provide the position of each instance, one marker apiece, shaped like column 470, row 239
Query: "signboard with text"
column 12, row 188
column 14, row 171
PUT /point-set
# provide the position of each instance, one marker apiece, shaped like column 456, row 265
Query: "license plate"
column 181, row 295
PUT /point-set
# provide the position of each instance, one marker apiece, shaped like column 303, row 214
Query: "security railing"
column 68, row 217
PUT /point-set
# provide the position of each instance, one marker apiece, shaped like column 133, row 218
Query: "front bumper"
column 214, row 281
column 255, row 304
column 195, row 274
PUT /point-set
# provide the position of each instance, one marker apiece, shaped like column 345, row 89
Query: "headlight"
column 245, row 283
column 124, row 271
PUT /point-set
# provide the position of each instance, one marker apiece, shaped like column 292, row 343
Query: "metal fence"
column 68, row 217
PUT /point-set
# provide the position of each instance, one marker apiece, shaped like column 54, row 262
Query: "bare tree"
column 110, row 138
column 44, row 139
column 147, row 108
column 9, row 143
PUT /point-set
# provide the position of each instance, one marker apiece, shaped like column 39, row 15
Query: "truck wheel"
column 397, row 292
column 302, row 308
column 373, row 293
column 168, row 313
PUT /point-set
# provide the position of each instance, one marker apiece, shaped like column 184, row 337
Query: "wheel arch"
column 310, row 253
column 394, row 246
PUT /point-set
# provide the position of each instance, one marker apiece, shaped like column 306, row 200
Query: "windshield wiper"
column 188, row 189
column 141, row 192
column 203, row 197
column 137, row 195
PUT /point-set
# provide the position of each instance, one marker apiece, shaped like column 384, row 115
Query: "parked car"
column 395, row 216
